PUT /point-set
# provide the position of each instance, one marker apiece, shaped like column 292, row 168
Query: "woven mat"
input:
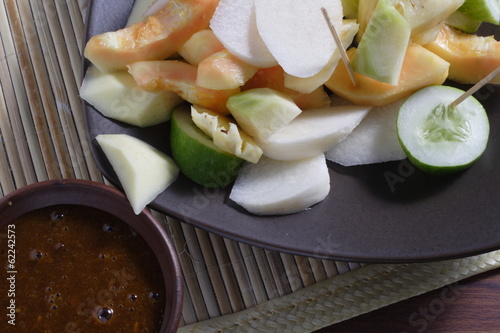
column 229, row 285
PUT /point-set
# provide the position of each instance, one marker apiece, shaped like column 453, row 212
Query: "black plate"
column 388, row 212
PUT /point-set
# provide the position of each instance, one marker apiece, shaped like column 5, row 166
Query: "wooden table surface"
column 469, row 306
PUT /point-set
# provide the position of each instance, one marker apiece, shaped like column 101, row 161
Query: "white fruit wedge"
column 307, row 85
column 374, row 140
column 226, row 134
column 273, row 187
column 297, row 34
column 313, row 132
column 116, row 95
column 235, row 26
column 143, row 171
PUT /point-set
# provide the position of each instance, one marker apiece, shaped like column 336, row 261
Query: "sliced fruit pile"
column 257, row 93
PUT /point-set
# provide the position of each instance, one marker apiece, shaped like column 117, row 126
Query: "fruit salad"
column 259, row 97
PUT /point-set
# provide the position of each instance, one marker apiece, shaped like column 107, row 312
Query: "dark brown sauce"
column 79, row 269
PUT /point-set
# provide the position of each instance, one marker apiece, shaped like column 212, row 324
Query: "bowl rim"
column 145, row 224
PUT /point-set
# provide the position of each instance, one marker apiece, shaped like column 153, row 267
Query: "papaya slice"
column 156, row 38
column 202, row 44
column 274, row 78
column 179, row 77
column 223, row 70
column 471, row 57
column 421, row 68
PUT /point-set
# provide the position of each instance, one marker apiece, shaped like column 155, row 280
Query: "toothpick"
column 340, row 47
column 476, row 87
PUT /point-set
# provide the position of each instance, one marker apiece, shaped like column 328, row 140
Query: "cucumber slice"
column 196, row 154
column 438, row 138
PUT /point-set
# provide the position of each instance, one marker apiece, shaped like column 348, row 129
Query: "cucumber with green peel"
column 482, row 10
column 439, row 138
column 381, row 51
column 462, row 22
column 196, row 154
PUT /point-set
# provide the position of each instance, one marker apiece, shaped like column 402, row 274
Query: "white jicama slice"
column 234, row 24
column 297, row 34
column 374, row 140
column 273, row 187
column 313, row 132
column 143, row 171
column 307, row 85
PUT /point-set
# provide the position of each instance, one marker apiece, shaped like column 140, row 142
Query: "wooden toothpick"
column 476, row 87
column 340, row 47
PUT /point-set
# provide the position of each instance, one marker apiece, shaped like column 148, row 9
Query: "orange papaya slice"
column 421, row 68
column 179, row 77
column 156, row 38
column 471, row 57
column 222, row 70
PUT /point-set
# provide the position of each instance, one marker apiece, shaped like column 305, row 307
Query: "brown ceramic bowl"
column 110, row 200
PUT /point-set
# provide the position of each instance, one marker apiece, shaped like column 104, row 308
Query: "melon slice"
column 421, row 68
column 156, row 38
column 234, row 24
column 179, row 77
column 223, row 71
column 281, row 187
column 297, row 34
column 471, row 57
column 202, row 44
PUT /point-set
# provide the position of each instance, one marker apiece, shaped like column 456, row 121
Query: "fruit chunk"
column 117, row 96
column 381, row 51
column 439, row 138
column 179, row 77
column 261, row 112
column 374, row 140
column 143, row 171
column 202, row 44
column 471, row 57
column 226, row 134
column 281, row 187
column 309, row 84
column 482, row 10
column 350, row 8
column 160, row 36
column 196, row 154
column 223, row 71
column 137, row 13
column 462, row 22
column 299, row 37
column 421, row 68
column 313, row 132
column 422, row 15
column 273, row 77
column 235, row 26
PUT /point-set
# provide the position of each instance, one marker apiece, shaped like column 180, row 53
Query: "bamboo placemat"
column 230, row 286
